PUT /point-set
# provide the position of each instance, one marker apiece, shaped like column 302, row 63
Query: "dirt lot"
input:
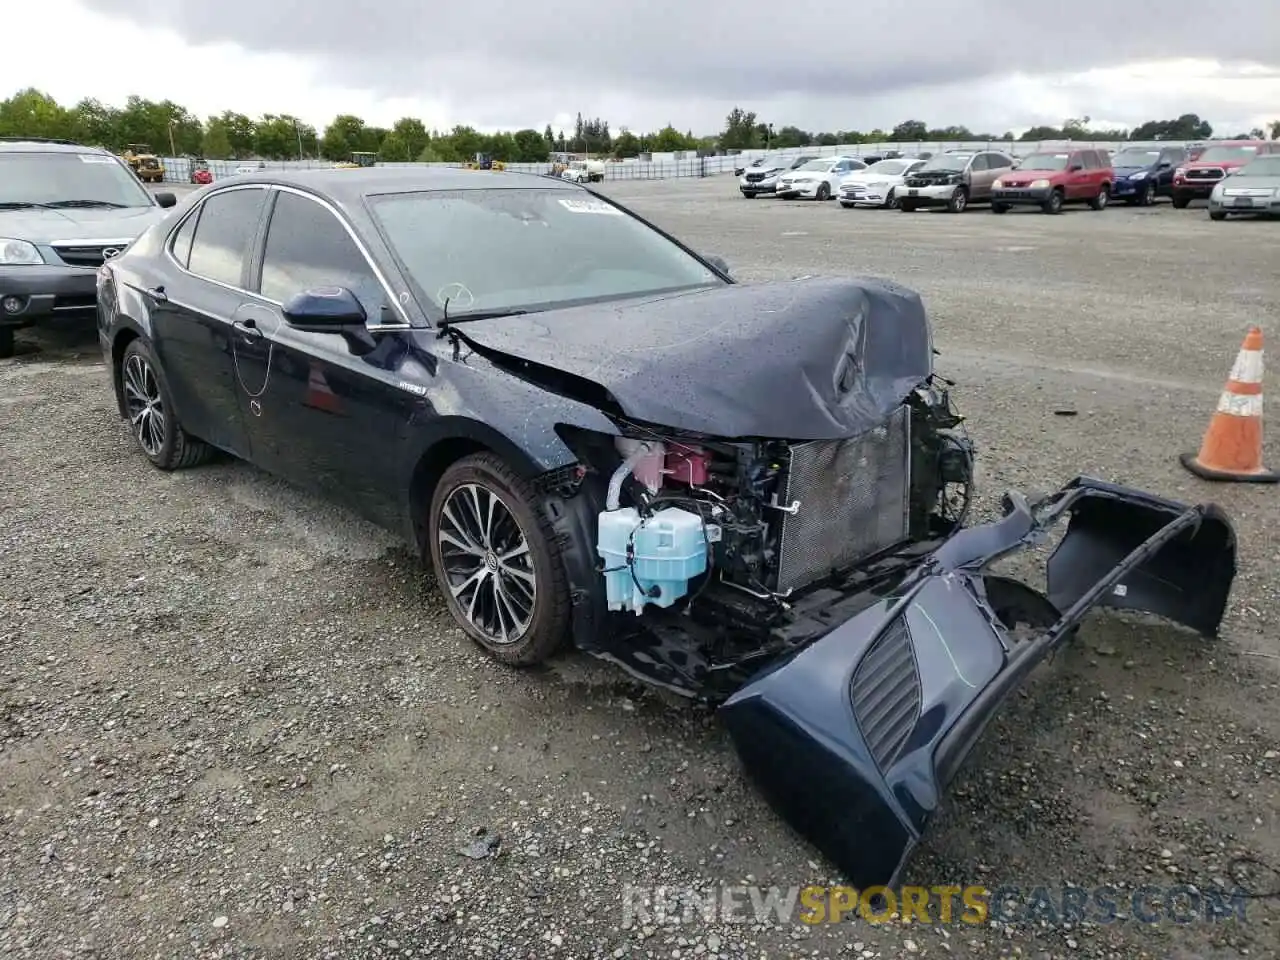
column 236, row 722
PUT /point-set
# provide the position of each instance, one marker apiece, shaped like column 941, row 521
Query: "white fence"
column 663, row 166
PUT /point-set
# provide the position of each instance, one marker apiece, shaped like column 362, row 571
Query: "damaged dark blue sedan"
column 754, row 494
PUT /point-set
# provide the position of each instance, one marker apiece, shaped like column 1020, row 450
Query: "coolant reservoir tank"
column 650, row 467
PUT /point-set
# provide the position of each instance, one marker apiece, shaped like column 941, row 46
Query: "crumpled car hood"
column 809, row 359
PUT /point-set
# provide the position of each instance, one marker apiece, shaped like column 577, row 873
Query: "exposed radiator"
column 854, row 497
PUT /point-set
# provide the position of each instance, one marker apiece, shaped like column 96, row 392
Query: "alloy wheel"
column 144, row 405
column 486, row 560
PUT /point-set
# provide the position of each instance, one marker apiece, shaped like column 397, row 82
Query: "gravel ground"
column 236, row 722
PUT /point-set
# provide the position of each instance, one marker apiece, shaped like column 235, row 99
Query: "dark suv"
column 64, row 210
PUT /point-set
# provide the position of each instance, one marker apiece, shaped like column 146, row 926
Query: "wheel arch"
column 124, row 336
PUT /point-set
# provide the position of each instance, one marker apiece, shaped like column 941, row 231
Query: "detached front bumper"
column 45, row 291
column 854, row 739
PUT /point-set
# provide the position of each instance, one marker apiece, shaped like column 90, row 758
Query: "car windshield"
column 947, row 161
column 52, row 178
column 1262, row 167
column 821, row 166
column 801, row 162
column 1135, row 158
column 1045, row 161
column 889, row 167
column 529, row 249
column 1227, row 154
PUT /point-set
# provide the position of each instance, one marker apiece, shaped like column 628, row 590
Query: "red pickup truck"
column 1196, row 179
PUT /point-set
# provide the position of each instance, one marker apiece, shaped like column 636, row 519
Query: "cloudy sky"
column 991, row 65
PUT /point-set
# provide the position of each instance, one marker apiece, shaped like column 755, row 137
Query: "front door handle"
column 248, row 329
column 157, row 294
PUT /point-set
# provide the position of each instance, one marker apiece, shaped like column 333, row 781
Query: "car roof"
column 44, row 145
column 348, row 187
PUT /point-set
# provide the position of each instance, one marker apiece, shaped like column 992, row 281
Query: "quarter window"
column 181, row 245
column 1088, row 159
column 308, row 247
column 979, row 162
column 228, row 222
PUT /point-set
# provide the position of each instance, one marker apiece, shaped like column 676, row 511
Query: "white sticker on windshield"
column 94, row 158
column 590, row 206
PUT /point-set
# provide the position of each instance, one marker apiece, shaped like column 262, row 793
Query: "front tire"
column 1053, row 204
column 148, row 405
column 824, row 192
column 998, row 207
column 959, row 201
column 1217, row 214
column 497, row 562
column 1148, row 196
column 907, row 206
column 1181, row 200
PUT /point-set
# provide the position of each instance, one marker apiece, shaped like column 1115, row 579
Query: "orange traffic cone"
column 1232, row 447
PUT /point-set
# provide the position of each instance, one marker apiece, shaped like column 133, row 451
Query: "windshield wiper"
column 449, row 320
column 24, row 205
column 87, row 203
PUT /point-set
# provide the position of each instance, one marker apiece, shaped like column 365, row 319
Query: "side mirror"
column 719, row 263
column 166, row 199
column 325, row 310
column 1164, row 164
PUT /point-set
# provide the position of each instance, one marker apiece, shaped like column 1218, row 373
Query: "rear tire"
column 148, row 404
column 1100, row 201
column 892, row 202
column 1217, row 214
column 518, row 583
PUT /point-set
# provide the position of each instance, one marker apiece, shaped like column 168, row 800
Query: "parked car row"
column 1048, row 179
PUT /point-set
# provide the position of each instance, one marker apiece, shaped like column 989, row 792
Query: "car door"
column 1169, row 160
column 979, row 177
column 191, row 317
column 997, row 165
column 324, row 411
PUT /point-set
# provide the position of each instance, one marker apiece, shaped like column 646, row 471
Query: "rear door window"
column 228, row 224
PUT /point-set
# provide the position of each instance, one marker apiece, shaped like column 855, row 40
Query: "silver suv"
column 64, row 210
column 954, row 179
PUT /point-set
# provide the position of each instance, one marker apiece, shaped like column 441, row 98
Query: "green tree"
column 241, row 133
column 345, row 134
column 1275, row 129
column 411, row 132
column 549, row 137
column 30, row 113
column 275, row 137
column 531, row 146
column 740, row 131
column 626, row 145
column 909, row 130
column 93, row 122
column 217, row 140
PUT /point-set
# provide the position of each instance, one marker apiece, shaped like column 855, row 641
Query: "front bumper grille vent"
column 886, row 694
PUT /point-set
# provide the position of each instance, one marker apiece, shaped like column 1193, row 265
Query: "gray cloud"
column 514, row 61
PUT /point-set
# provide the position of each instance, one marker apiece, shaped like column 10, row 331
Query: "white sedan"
column 876, row 185
column 818, row 179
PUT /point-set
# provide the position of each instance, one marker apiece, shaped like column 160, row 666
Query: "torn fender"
column 854, row 739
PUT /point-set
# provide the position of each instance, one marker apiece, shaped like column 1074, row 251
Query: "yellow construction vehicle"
column 357, row 160
column 146, row 165
column 485, row 162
